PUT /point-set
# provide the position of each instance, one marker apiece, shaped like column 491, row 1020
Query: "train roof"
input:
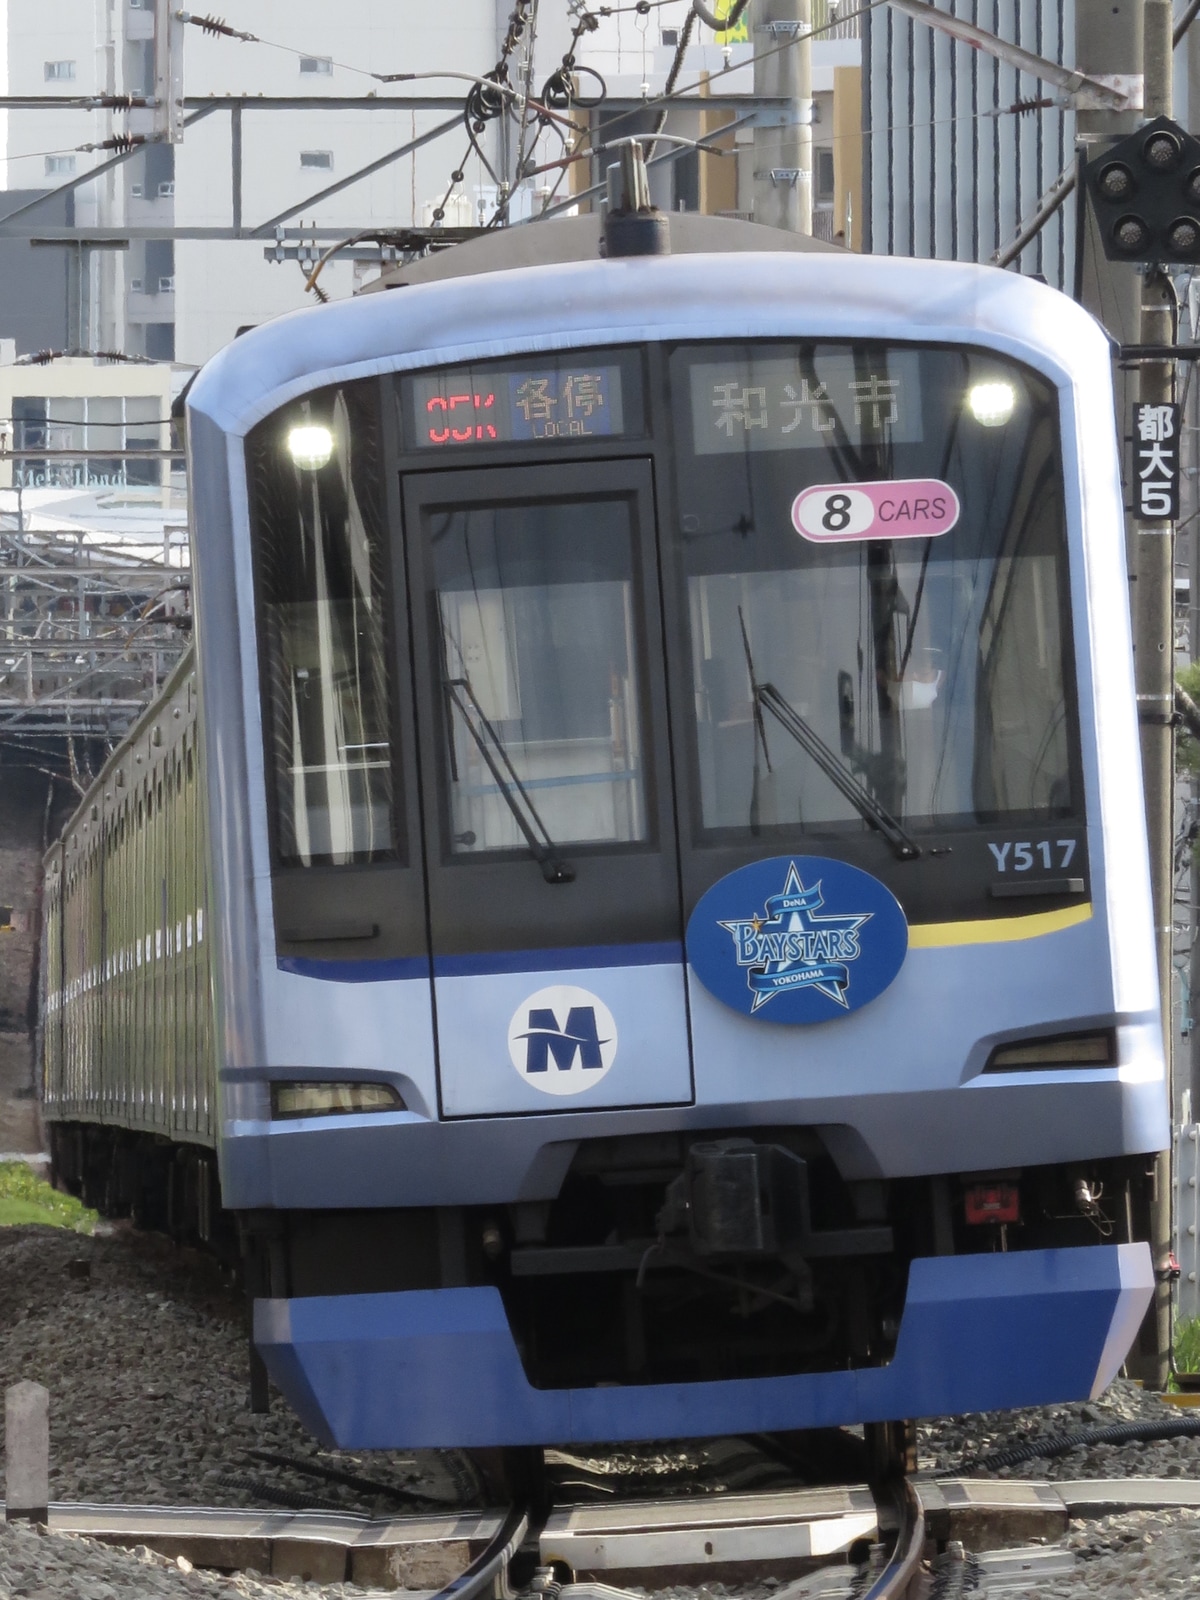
column 590, row 302
column 578, row 239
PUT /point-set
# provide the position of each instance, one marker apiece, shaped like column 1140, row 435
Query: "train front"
column 685, row 942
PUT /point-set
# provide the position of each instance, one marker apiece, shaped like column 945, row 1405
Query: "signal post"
column 1143, row 192
column 1154, row 647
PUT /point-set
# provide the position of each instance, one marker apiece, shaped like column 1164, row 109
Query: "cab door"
column 545, row 774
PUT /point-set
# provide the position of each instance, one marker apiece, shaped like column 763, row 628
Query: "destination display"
column 816, row 401
column 519, row 405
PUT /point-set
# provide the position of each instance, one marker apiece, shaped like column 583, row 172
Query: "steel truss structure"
column 90, row 628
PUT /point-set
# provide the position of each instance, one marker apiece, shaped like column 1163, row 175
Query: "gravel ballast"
column 143, row 1349
column 40, row 1566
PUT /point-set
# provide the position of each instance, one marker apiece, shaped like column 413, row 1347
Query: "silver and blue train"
column 638, row 907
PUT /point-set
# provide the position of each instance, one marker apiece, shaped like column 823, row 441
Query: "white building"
column 183, row 298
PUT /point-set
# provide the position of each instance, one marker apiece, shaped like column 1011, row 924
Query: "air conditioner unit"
column 166, row 286
column 135, row 191
column 135, row 286
column 166, row 189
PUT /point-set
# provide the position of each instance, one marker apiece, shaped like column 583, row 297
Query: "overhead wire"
column 493, row 96
column 663, row 100
column 32, row 155
column 528, row 126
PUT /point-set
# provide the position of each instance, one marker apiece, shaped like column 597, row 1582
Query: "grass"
column 1187, row 1347
column 24, row 1197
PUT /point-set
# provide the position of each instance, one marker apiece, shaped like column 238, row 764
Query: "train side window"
column 315, row 473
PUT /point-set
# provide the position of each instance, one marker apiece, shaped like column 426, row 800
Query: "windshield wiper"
column 491, row 747
column 767, row 697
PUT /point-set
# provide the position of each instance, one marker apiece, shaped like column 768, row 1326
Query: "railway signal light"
column 1145, row 193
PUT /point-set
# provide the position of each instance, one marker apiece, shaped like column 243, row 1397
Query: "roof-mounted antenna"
column 632, row 225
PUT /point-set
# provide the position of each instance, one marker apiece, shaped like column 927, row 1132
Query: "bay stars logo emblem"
column 789, row 947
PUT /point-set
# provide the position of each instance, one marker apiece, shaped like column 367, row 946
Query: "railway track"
column 916, row 1539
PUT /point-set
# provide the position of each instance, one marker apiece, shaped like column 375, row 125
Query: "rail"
column 904, row 1572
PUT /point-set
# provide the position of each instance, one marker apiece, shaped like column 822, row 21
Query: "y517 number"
column 1033, row 853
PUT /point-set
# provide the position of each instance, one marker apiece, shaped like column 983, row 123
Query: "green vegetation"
column 24, row 1197
column 1187, row 1345
column 1187, row 749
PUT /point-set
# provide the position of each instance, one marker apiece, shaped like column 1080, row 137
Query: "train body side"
column 127, row 988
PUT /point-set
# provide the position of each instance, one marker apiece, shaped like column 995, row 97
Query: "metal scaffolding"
column 90, row 627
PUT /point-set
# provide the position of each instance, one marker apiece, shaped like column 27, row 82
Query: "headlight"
column 332, row 1099
column 991, row 404
column 310, row 446
column 1066, row 1050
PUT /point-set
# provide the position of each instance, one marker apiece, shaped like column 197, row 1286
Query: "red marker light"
column 993, row 1202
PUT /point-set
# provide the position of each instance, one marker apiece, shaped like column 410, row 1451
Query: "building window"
column 317, row 64
column 824, row 174
column 91, row 426
column 321, row 160
column 670, row 37
column 57, row 71
column 158, row 266
column 60, row 166
column 160, row 341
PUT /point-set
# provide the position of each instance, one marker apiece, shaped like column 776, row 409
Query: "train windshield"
column 873, row 547
column 538, row 662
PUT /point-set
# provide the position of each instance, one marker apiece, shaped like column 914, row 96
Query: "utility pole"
column 1108, row 39
column 1189, row 422
column 1154, row 649
column 783, row 138
column 168, row 72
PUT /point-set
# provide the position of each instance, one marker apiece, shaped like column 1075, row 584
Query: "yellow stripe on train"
column 998, row 930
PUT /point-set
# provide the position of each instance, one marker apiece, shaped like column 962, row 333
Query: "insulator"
column 217, row 25
column 115, row 102
column 123, row 143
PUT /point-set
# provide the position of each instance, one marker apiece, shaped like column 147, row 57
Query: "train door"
column 547, row 798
